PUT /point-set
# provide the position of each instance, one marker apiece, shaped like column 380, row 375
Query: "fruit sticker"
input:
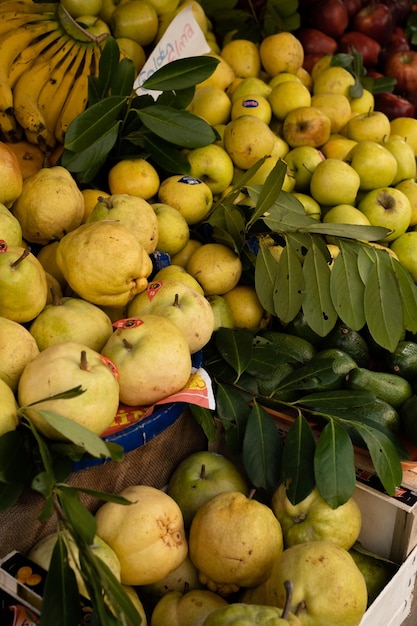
column 153, row 289
column 111, row 366
column 189, row 180
column 250, row 103
column 128, row 322
column 3, row 246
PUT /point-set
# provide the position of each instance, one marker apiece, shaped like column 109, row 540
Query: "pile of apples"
column 378, row 31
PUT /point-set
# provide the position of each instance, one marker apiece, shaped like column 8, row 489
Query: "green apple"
column 265, row 169
column 62, row 367
column 191, row 196
column 406, row 127
column 313, row 519
column 251, row 85
column 71, row 319
column 17, row 348
column 247, row 139
column 94, row 25
column 8, row 409
column 286, row 96
column 252, row 104
column 333, row 79
column 212, row 104
column 152, row 357
column 369, row 126
column 10, row 229
column 334, row 182
column 192, row 607
column 404, row 154
column 178, row 272
column 173, row 230
column 345, row 214
column 337, row 147
column 247, row 310
column 405, row 248
column 364, row 103
column 213, row 165
column 137, row 20
column 409, row 187
column 216, row 267
column 387, row 207
column 336, row 106
column 223, row 317
column 133, row 212
column 302, row 162
column 311, row 207
column 306, row 126
column 181, row 304
column 375, row 164
column 199, row 477
column 23, row 285
column 243, row 613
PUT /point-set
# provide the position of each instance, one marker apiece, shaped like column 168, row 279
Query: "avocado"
column 386, row 386
column 348, row 340
column 403, row 361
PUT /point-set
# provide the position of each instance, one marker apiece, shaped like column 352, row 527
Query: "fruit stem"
column 203, row 472
column 56, row 298
column 251, row 494
column 84, row 365
column 177, row 301
column 74, row 28
column 23, row 256
column 289, row 588
column 106, row 201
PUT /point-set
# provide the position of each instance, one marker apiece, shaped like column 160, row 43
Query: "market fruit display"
column 285, row 248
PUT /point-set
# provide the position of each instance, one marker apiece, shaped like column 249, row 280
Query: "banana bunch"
column 45, row 61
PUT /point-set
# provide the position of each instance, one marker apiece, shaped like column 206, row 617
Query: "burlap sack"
column 150, row 464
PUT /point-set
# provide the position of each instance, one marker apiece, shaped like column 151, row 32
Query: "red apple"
column 314, row 41
column 330, row 16
column 310, row 60
column 374, row 20
column 393, row 105
column 402, row 66
column 369, row 48
column 400, row 10
column 352, row 7
column 397, row 42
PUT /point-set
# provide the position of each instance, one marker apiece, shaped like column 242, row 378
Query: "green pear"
column 376, row 570
column 10, row 229
column 152, row 357
column 134, row 212
column 329, row 588
column 71, row 319
column 62, row 367
column 222, row 312
column 17, row 348
column 182, row 305
column 8, row 409
column 186, row 609
column 23, row 285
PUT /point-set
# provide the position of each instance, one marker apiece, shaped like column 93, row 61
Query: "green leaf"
column 287, row 215
column 383, row 454
column 76, row 433
column 167, row 156
column 181, row 73
column 408, row 294
column 9, row 495
column 236, row 347
column 107, row 69
column 314, row 375
column 44, row 483
column 338, row 399
column 93, row 156
column 232, row 410
column 383, row 306
column 205, row 418
column 123, row 78
column 15, row 463
column 93, row 123
column 270, row 190
column 262, row 447
column 334, row 465
column 298, row 460
column 352, row 231
column 61, row 600
column 318, row 307
column 100, row 495
column 266, row 269
column 76, row 513
column 181, row 128
column 347, row 288
column 289, row 285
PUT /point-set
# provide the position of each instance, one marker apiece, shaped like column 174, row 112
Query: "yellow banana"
column 11, row 45
column 55, row 91
column 9, row 130
column 26, row 93
column 10, row 22
column 46, row 47
column 74, row 105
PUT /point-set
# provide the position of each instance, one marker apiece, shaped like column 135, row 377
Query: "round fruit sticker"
column 189, row 180
column 3, row 246
column 250, row 103
column 128, row 322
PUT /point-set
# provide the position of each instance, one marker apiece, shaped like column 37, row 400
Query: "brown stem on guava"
column 23, row 256
column 56, row 298
column 251, row 494
column 84, row 365
column 186, row 587
column 289, row 588
column 106, row 201
column 127, row 345
column 203, row 472
column 300, row 607
column 177, row 301
column 298, row 519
